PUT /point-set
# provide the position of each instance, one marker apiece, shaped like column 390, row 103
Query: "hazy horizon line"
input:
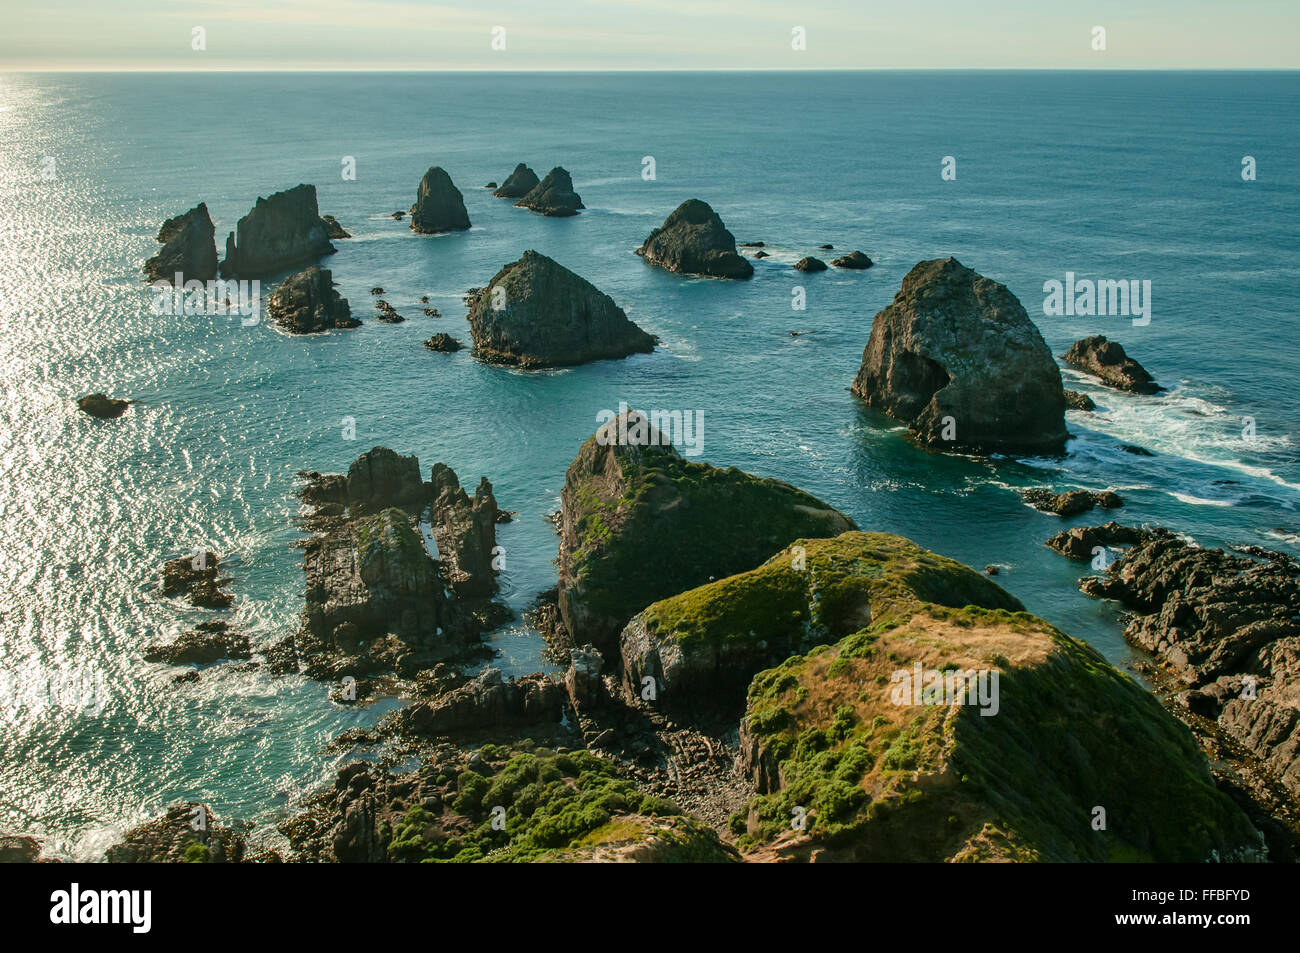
column 653, row 69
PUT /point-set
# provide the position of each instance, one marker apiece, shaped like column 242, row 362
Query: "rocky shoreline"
column 695, row 714
column 730, row 649
column 1223, row 630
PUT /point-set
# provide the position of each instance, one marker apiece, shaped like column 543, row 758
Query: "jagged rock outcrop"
column 102, row 406
column 854, row 261
column 937, row 714
column 1081, row 542
column 381, row 478
column 439, row 206
column 465, row 531
column 520, row 182
column 443, row 344
column 639, row 523
column 206, row 644
column 1107, row 360
column 332, row 227
column 553, row 196
column 537, row 313
column 199, row 579
column 485, row 703
column 1227, row 627
column 693, row 241
column 377, row 599
column 189, row 248
column 1071, row 502
column 1078, row 401
column 957, row 359
column 810, row 264
column 374, row 599
column 174, row 839
column 279, row 233
column 582, row 678
column 308, row 303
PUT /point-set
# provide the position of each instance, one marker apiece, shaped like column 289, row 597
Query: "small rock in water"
column 1079, row 401
column 856, row 260
column 443, row 343
column 810, row 264
column 103, row 406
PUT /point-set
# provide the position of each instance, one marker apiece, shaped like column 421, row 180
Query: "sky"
column 648, row 34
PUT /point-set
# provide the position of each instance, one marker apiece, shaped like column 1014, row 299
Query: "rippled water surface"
column 1107, row 175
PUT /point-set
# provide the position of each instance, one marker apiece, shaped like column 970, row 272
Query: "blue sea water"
column 1108, row 175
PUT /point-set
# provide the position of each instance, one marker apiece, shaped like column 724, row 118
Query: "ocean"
column 1106, row 175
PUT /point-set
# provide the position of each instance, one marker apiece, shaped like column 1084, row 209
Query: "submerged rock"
column 1107, row 360
column 553, row 196
column 537, row 313
column 280, row 232
column 810, row 264
column 189, row 248
column 199, row 579
column 439, row 206
column 640, row 523
column 102, row 406
column 521, row 181
column 855, row 260
column 957, row 359
column 1071, row 502
column 19, row 849
column 307, row 303
column 693, row 241
column 210, row 642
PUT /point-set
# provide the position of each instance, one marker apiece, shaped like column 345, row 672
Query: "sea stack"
column 693, row 241
column 537, row 313
column 553, row 196
column 956, row 358
column 307, row 303
column 439, row 206
column 189, row 248
column 1107, row 360
column 521, row 181
column 279, row 233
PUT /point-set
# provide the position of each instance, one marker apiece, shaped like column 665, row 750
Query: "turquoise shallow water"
column 1107, row 175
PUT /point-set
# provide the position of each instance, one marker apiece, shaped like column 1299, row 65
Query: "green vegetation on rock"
column 643, row 523
column 539, row 805
column 884, row 781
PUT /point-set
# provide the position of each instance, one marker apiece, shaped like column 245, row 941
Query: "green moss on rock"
column 641, row 523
